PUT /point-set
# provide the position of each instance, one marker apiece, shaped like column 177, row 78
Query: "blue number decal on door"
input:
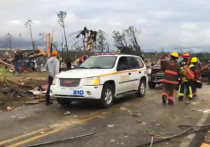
column 78, row 92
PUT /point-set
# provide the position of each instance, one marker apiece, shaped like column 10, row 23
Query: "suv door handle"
column 129, row 73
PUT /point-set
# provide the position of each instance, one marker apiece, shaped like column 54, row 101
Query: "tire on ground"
column 63, row 101
column 103, row 102
column 151, row 84
column 142, row 88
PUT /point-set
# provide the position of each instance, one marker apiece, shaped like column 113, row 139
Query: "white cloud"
column 168, row 24
column 16, row 22
column 36, row 21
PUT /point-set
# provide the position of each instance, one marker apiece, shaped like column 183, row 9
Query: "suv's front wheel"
column 63, row 101
column 107, row 96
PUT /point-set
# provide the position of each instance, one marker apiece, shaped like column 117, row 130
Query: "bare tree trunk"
column 66, row 39
column 62, row 49
column 102, row 47
column 84, row 43
column 10, row 44
column 32, row 41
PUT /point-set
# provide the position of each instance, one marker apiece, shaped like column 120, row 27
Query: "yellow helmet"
column 175, row 54
column 194, row 60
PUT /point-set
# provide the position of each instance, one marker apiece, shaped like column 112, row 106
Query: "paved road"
column 128, row 123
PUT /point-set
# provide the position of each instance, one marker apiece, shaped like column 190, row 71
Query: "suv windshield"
column 100, row 62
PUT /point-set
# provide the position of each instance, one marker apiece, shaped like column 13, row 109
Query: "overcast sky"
column 170, row 24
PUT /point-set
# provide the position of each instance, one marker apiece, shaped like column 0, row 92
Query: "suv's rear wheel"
column 63, row 101
column 142, row 88
column 107, row 96
column 151, row 85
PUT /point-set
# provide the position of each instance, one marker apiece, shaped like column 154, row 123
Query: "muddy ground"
column 128, row 123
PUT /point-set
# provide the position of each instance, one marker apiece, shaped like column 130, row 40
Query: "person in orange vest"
column 172, row 74
column 83, row 59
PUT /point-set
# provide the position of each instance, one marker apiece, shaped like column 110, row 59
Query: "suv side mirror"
column 122, row 67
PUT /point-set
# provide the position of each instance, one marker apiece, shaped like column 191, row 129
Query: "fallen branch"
column 184, row 133
column 59, row 141
column 208, row 125
column 151, row 142
column 156, row 135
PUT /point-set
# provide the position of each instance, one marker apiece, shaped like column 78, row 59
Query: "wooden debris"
column 32, row 102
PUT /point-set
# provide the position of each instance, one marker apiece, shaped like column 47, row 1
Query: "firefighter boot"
column 164, row 97
column 180, row 98
column 190, row 98
column 170, row 102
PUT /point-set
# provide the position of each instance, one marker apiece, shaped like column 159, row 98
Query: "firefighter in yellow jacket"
column 185, row 81
column 172, row 74
column 193, row 63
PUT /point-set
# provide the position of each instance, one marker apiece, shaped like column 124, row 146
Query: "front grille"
column 69, row 82
column 154, row 71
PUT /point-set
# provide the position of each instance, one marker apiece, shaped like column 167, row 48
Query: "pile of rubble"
column 28, row 60
column 25, row 90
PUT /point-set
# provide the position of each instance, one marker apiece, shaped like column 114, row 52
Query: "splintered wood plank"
column 205, row 145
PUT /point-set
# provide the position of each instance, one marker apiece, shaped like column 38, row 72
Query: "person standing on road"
column 52, row 66
column 17, row 57
column 172, row 73
column 68, row 62
column 162, row 62
column 194, row 69
column 208, row 73
column 198, row 67
column 184, row 82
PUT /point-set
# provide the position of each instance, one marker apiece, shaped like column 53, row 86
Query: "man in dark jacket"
column 172, row 74
column 17, row 57
column 68, row 62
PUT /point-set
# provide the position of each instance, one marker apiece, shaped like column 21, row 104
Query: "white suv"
column 103, row 78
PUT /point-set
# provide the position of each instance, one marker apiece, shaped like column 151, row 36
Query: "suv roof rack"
column 106, row 53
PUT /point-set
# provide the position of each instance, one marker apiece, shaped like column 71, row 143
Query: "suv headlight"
column 55, row 81
column 92, row 81
column 149, row 71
